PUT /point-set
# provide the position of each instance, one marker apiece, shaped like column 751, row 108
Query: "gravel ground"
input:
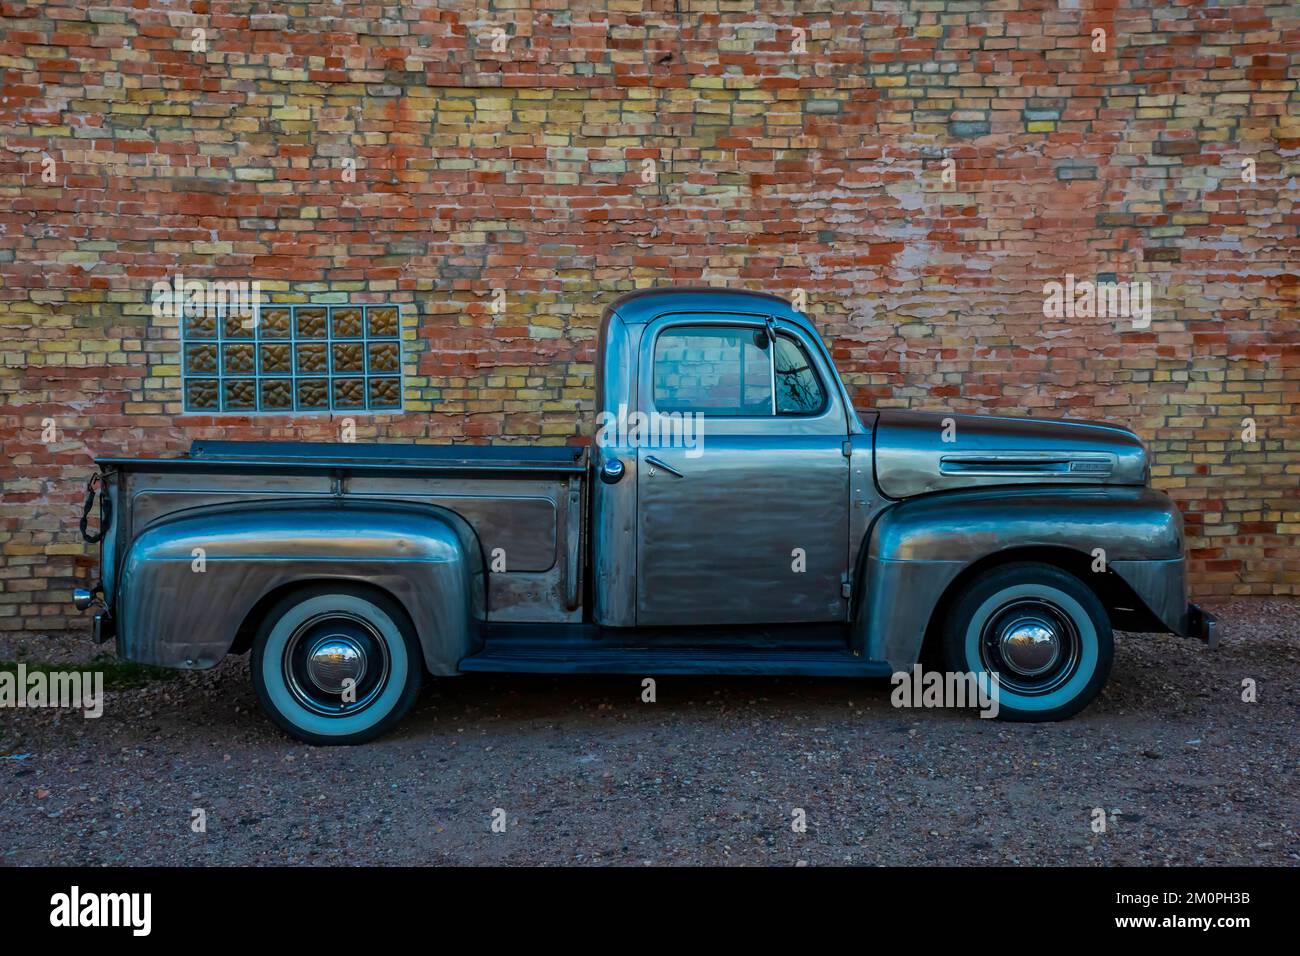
column 710, row 774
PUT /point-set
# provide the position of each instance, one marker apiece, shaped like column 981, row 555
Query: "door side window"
column 716, row 370
column 729, row 371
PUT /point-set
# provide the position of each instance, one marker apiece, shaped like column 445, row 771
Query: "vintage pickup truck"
column 772, row 529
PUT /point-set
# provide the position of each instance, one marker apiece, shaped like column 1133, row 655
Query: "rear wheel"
column 1040, row 631
column 336, row 666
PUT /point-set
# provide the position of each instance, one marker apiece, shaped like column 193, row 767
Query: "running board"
column 582, row 651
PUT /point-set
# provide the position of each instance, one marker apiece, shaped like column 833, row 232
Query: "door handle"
column 654, row 462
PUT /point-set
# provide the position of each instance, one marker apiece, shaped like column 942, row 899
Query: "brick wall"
column 781, row 161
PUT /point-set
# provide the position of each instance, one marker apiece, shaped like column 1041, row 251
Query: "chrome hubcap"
column 335, row 660
column 1030, row 647
column 336, row 663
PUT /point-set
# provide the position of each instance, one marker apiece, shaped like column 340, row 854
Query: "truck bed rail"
column 339, row 456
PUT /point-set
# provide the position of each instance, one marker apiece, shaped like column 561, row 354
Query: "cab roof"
column 645, row 304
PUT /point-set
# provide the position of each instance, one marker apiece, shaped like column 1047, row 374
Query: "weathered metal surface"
column 919, row 546
column 722, row 545
column 528, row 521
column 189, row 583
column 753, row 526
column 613, row 514
column 865, row 506
column 353, row 458
column 920, row 452
column 1162, row 586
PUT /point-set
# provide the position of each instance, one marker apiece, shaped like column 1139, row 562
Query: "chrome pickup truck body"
column 776, row 530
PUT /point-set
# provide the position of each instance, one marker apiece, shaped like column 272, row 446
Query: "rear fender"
column 188, row 583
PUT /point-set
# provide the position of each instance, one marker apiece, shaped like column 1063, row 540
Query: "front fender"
column 188, row 583
column 918, row 548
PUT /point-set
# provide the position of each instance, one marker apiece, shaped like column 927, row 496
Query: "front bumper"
column 1161, row 586
column 1201, row 623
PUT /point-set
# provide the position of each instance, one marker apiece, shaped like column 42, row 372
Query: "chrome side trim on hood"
column 1027, row 464
column 920, row 452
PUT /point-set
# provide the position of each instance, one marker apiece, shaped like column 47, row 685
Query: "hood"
column 919, row 452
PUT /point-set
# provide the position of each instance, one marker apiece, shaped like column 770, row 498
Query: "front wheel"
column 1043, row 634
column 336, row 666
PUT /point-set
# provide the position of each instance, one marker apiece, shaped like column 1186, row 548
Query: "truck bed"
column 524, row 503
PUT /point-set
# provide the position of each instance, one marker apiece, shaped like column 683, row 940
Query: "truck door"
column 743, row 517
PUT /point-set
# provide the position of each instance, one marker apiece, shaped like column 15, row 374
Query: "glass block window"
column 299, row 358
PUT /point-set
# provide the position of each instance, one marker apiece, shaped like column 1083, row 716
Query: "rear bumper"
column 1201, row 623
column 104, row 628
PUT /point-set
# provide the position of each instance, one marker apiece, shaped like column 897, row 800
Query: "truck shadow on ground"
column 1155, row 678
